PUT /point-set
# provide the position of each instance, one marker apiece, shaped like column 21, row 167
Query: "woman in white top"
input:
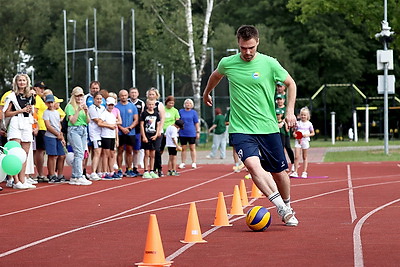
column 19, row 106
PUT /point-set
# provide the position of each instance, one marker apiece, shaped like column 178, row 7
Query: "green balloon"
column 11, row 144
column 11, row 164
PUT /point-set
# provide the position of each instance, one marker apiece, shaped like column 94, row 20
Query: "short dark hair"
column 168, row 99
column 247, row 32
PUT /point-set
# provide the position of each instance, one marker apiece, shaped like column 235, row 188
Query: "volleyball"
column 258, row 218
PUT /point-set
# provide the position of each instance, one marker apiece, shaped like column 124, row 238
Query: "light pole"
column 213, row 91
column 229, row 50
column 89, row 67
column 73, row 49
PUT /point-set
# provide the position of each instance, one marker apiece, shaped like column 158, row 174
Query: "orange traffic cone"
column 193, row 231
column 221, row 216
column 255, row 192
column 154, row 252
column 236, row 208
column 243, row 194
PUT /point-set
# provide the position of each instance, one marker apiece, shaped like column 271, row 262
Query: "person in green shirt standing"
column 219, row 138
column 77, row 114
column 253, row 125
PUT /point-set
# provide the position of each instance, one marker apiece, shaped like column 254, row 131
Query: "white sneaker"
column 83, row 181
column 10, row 182
column 294, row 174
column 194, row 165
column 181, row 166
column 304, row 175
column 73, row 181
column 209, row 157
column 30, row 180
column 20, row 185
column 94, row 177
column 286, row 214
column 292, row 221
column 29, row 186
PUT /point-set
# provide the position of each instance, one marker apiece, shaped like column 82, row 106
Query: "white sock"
column 277, row 200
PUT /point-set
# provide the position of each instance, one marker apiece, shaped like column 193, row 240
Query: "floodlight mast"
column 385, row 36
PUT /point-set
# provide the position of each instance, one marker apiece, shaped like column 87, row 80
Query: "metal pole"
column 162, row 84
column 122, row 53
column 96, row 66
column 213, row 91
column 366, row 123
column 73, row 49
column 89, row 62
column 65, row 54
column 87, row 55
column 333, row 125
column 355, row 126
column 172, row 83
column 133, row 50
column 158, row 75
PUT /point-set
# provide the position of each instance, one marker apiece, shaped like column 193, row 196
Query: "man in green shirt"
column 253, row 125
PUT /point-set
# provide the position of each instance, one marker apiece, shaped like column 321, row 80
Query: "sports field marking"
column 358, row 252
column 71, row 198
column 163, row 208
column 351, row 195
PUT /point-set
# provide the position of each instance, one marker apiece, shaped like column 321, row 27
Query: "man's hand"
column 207, row 99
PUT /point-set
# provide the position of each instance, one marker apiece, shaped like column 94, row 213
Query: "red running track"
column 347, row 219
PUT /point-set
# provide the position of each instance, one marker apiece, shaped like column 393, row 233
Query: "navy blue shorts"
column 268, row 147
column 53, row 146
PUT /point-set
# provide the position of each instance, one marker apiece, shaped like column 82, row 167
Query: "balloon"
column 11, row 144
column 69, row 158
column 2, row 173
column 19, row 152
column 11, row 164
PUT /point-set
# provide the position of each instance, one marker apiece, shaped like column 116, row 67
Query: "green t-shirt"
column 171, row 115
column 70, row 111
column 252, row 93
column 220, row 122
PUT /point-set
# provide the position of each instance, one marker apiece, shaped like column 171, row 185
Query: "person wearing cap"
column 281, row 88
column 171, row 142
column 77, row 115
column 127, row 132
column 39, row 146
column 109, row 126
column 285, row 134
column 253, row 126
column 54, row 139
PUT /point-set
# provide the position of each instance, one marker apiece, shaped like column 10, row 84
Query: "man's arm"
column 290, row 101
column 213, row 81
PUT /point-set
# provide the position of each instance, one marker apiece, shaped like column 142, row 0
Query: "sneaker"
column 19, row 185
column 135, row 171
column 29, row 186
column 94, row 177
column 116, row 176
column 304, row 175
column 130, row 173
column 286, row 214
column 107, row 177
column 42, row 179
column 169, row 173
column 154, row 175
column 1, row 188
column 160, row 174
column 10, row 182
column 62, row 179
column 194, row 165
column 146, row 175
column 120, row 173
column 83, row 181
column 73, row 181
column 294, row 174
column 175, row 173
column 292, row 221
column 209, row 157
column 181, row 166
column 53, row 179
column 30, row 180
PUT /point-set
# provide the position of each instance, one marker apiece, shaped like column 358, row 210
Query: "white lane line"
column 71, row 198
column 162, row 208
column 163, row 198
column 351, row 196
column 358, row 252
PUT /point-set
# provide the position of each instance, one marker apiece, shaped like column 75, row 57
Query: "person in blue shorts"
column 253, row 125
